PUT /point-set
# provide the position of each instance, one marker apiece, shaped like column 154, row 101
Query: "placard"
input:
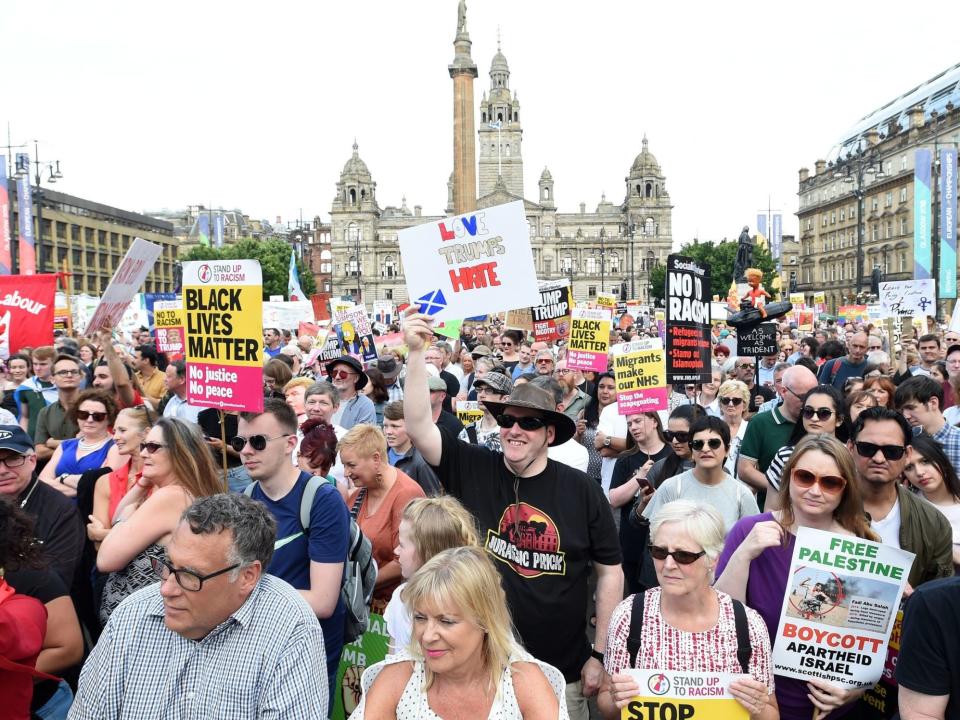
column 124, row 284
column 675, row 695
column 640, row 372
column 469, row 411
column 285, row 315
column 355, row 334
column 369, row 649
column 223, row 303
column 908, row 298
column 472, row 264
column 841, row 602
column 27, row 307
column 551, row 317
column 688, row 345
column 589, row 340
column 607, row 301
column 168, row 327
column 757, row 341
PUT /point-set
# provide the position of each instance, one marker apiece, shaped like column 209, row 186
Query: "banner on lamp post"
column 28, row 254
column 6, row 252
column 922, row 248
column 948, row 223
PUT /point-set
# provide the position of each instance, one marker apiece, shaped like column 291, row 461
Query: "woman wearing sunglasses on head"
column 734, row 399
column 685, row 624
column 177, row 469
column 929, row 470
column 819, row 491
column 94, row 413
column 822, row 412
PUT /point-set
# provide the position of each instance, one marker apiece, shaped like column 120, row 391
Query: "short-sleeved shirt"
column 614, row 425
column 844, row 371
column 358, row 409
column 766, row 433
column 54, row 423
column 328, row 542
column 544, row 539
column 730, row 497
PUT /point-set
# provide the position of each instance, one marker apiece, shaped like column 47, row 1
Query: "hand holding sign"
column 417, row 328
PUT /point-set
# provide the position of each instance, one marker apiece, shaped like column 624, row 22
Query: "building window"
column 353, row 234
column 903, row 262
column 874, row 203
column 833, row 217
column 614, row 263
column 649, row 227
column 842, row 214
column 388, row 294
column 389, row 268
column 889, row 229
column 566, row 264
column 591, row 291
column 903, row 226
column 823, row 220
column 903, row 194
column 888, row 199
column 591, row 266
column 547, row 266
column 903, row 163
column 353, row 267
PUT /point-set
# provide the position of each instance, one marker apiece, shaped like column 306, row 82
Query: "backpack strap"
column 744, row 651
column 835, row 369
column 248, row 490
column 306, row 501
column 355, row 510
column 636, row 627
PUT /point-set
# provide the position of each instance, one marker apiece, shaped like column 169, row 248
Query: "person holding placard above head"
column 685, row 624
column 819, row 490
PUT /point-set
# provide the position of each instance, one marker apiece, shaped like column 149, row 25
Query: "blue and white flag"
column 293, row 283
column 495, row 125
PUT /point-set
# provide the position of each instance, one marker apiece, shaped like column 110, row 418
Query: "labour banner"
column 683, row 695
column 124, row 284
column 551, row 317
column 688, row 321
column 222, row 301
column 369, row 649
column 27, row 307
column 471, row 264
column 6, row 245
column 168, row 327
column 841, row 602
column 908, row 298
column 589, row 340
column 28, row 254
column 948, row 223
column 640, row 373
column 922, row 249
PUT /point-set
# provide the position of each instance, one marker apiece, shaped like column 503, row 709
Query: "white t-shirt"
column 399, row 626
column 570, row 453
column 731, row 498
column 613, row 425
column 889, row 528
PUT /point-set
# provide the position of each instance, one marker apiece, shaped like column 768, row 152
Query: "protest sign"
column 688, row 346
column 469, row 411
column 640, row 372
column 798, row 300
column 805, row 320
column 449, row 329
column 307, row 328
column 676, row 695
column 62, row 319
column 383, row 311
column 27, row 307
column 149, row 299
column 168, row 327
column 839, row 608
column 820, row 302
column 519, row 319
column 852, row 314
column 222, row 302
column 124, row 284
column 355, row 334
column 551, row 317
column 134, row 315
column 758, row 340
column 902, row 298
column 607, row 301
column 369, row 649
column 589, row 340
column 660, row 320
column 285, row 315
column 471, row 264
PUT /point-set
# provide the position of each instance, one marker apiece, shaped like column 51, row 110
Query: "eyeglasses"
column 735, row 401
column 821, row 413
column 682, row 557
column 890, row 452
column 66, row 373
column 712, row 443
column 681, row 437
column 186, row 579
column 95, row 416
column 257, row 442
column 744, row 366
column 526, row 423
column 14, row 461
column 828, row 483
column 544, row 361
column 791, row 391
column 341, row 374
column 151, row 447
column 562, row 371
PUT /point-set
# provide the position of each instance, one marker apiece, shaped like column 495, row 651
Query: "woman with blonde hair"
column 733, row 398
column 428, row 526
column 463, row 660
column 379, row 493
column 819, row 490
column 177, row 469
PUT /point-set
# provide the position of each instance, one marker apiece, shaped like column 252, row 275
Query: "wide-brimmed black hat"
column 354, row 365
column 535, row 398
column 388, row 365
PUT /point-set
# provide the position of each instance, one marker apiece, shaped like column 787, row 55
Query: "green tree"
column 719, row 258
column 274, row 257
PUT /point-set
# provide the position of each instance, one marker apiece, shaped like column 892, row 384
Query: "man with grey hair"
column 216, row 637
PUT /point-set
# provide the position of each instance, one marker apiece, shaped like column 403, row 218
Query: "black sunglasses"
column 95, row 416
column 735, row 401
column 890, row 452
column 683, row 557
column 713, row 443
column 257, row 442
column 526, row 423
column 151, row 447
column 681, row 437
column 821, row 413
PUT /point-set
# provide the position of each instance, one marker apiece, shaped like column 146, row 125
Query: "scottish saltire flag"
column 495, row 125
column 293, row 283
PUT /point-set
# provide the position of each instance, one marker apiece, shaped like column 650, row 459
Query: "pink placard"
column 582, row 360
column 227, row 387
column 637, row 401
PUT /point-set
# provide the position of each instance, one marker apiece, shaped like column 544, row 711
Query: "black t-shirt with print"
column 543, row 540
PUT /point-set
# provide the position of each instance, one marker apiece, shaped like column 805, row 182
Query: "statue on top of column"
column 462, row 17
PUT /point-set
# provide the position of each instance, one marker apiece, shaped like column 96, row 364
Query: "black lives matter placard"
column 688, row 321
column 758, row 340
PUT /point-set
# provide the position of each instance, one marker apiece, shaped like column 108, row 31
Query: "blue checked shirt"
column 949, row 438
column 265, row 661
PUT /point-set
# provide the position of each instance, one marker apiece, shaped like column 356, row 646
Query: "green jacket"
column 925, row 532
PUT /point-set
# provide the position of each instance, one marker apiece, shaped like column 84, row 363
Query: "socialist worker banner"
column 26, row 312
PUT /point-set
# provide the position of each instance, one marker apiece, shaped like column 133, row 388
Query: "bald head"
column 857, row 347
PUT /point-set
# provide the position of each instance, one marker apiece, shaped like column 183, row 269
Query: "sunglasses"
column 821, row 413
column 682, row 557
column 257, row 442
column 544, row 361
column 341, row 374
column 95, row 416
column 526, row 423
column 688, row 388
column 828, row 483
column 712, row 443
column 151, row 447
column 680, row 436
column 890, row 452
column 735, row 401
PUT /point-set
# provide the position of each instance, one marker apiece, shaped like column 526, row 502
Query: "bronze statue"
column 744, row 256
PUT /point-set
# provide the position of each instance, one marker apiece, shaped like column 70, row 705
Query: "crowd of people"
column 160, row 559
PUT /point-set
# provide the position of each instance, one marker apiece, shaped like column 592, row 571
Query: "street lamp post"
column 632, row 229
column 853, row 170
column 39, row 167
column 603, row 255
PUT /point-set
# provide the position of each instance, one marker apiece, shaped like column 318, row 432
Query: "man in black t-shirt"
column 547, row 525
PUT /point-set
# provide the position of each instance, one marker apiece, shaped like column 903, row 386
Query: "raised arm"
column 118, row 371
column 424, row 434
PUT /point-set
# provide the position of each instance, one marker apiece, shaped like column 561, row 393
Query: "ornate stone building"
column 610, row 248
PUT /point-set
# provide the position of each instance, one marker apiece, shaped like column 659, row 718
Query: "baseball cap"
column 480, row 351
column 13, row 437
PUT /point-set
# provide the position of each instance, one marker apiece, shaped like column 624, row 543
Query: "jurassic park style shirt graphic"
column 528, row 541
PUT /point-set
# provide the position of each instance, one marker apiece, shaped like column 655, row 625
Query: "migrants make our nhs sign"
column 472, row 264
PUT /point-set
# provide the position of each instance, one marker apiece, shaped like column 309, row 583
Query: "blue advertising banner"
column 203, row 228
column 922, row 247
column 948, row 223
column 762, row 224
column 218, row 230
column 28, row 255
column 776, row 240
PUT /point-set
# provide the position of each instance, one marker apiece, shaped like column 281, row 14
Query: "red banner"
column 26, row 312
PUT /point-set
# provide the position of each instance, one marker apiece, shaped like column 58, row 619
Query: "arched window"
column 363, row 194
column 353, row 195
column 650, row 261
column 649, row 192
column 353, row 267
column 592, row 265
column 649, row 227
column 566, row 263
column 639, row 191
column 389, row 268
column 483, row 117
column 500, row 116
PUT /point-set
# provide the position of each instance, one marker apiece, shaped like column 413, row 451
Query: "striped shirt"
column 265, row 660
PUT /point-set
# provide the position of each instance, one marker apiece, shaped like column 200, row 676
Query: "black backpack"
column 744, row 650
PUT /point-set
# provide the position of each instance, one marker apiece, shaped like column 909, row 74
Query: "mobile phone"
column 643, row 483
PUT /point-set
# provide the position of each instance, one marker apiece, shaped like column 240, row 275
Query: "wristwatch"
column 606, row 440
column 596, row 654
